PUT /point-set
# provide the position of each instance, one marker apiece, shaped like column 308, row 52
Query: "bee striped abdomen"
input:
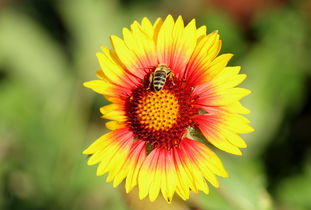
column 159, row 79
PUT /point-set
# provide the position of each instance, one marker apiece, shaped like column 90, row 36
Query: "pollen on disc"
column 158, row 110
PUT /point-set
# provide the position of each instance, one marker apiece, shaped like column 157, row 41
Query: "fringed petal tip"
column 222, row 130
column 179, row 170
column 98, row 86
column 87, row 84
column 86, row 152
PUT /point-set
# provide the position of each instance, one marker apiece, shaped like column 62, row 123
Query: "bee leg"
column 171, row 78
column 150, row 81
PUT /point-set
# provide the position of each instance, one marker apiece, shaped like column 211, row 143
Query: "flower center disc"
column 160, row 118
column 158, row 110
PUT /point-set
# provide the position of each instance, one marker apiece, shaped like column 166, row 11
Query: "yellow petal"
column 99, row 144
column 127, row 57
column 136, row 162
column 201, row 58
column 99, row 86
column 156, row 28
column 156, row 184
column 147, row 27
column 201, row 31
column 217, row 65
column 147, row 173
column 237, row 107
column 229, row 96
column 117, row 160
column 144, row 46
column 210, row 130
column 228, row 79
column 170, row 179
column 114, row 125
column 198, row 179
column 165, row 40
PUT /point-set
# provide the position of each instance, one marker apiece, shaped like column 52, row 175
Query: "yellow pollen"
column 158, row 110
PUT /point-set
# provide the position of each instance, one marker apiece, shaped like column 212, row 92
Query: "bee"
column 158, row 78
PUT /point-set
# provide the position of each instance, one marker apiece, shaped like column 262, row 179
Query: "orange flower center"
column 158, row 110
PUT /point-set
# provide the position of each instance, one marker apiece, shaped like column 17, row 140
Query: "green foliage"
column 295, row 191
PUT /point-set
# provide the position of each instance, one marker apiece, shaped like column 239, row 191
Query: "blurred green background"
column 47, row 49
